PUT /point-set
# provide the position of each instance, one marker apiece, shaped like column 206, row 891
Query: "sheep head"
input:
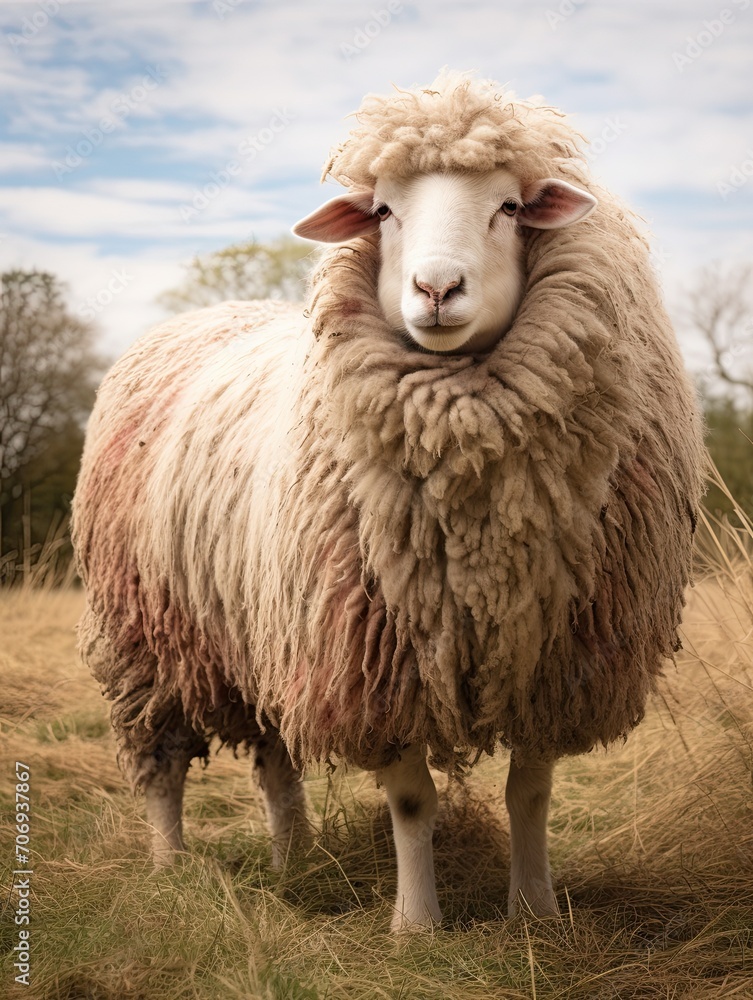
column 451, row 274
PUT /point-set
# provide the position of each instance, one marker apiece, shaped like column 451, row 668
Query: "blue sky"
column 151, row 103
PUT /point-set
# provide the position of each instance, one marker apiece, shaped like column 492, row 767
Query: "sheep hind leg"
column 412, row 799
column 527, row 796
column 284, row 797
column 163, row 778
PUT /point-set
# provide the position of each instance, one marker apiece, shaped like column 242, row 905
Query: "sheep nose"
column 439, row 295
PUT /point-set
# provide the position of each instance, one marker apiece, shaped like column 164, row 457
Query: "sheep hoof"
column 540, row 904
column 425, row 921
column 167, row 849
column 293, row 847
column 167, row 859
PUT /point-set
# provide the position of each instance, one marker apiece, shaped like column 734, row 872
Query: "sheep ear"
column 340, row 219
column 551, row 204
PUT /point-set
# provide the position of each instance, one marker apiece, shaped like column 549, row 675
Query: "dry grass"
column 43, row 564
column 652, row 845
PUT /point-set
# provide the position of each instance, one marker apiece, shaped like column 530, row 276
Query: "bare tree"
column 720, row 307
column 48, row 369
column 275, row 270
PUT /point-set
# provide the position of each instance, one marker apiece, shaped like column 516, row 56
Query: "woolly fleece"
column 300, row 520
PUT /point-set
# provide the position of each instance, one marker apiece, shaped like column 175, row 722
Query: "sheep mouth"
column 438, row 323
column 441, row 341
column 413, row 345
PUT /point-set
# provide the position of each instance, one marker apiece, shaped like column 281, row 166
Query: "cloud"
column 16, row 156
column 226, row 69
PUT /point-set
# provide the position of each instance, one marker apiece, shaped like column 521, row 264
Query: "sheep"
column 449, row 505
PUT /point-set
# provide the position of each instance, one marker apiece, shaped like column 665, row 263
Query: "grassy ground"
column 652, row 846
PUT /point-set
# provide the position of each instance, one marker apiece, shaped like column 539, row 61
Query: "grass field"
column 652, row 848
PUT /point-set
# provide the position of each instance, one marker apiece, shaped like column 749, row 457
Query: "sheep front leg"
column 163, row 791
column 284, row 798
column 527, row 796
column 412, row 798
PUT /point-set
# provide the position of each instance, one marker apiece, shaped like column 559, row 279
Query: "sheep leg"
column 412, row 798
column 163, row 791
column 284, row 798
column 527, row 796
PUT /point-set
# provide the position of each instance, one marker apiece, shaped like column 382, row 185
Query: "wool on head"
column 456, row 123
column 299, row 519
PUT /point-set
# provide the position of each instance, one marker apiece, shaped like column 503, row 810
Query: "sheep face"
column 451, row 274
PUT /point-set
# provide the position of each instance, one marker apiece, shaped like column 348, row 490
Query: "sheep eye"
column 383, row 211
column 509, row 207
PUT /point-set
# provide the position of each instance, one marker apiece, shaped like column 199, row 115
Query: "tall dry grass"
column 41, row 564
column 652, row 846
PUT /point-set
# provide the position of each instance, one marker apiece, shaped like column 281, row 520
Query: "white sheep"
column 450, row 504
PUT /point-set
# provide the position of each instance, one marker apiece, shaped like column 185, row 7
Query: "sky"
column 136, row 135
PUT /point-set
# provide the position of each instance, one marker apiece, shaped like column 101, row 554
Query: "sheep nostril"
column 422, row 286
column 439, row 295
column 453, row 290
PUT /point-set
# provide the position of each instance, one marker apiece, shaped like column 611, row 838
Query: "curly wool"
column 457, row 123
column 302, row 521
